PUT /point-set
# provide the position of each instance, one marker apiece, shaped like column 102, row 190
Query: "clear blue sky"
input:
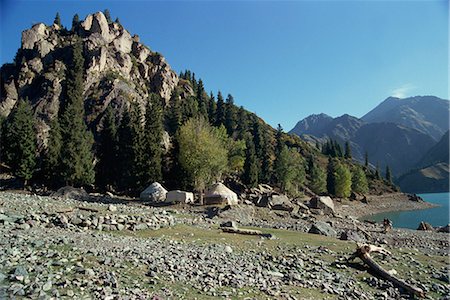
column 282, row 60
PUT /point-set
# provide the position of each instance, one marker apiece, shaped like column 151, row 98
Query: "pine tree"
column 57, row 20
column 359, row 181
column 251, row 167
column 174, row 114
column 343, row 181
column 212, row 107
column 20, row 139
column 279, row 140
column 388, row 174
column 318, row 181
column 330, row 176
column 130, row 149
column 377, row 172
column 242, row 123
column 366, row 160
column 107, row 152
column 75, row 22
column 348, row 151
column 76, row 155
column 230, row 115
column 52, row 156
column 107, row 16
column 153, row 136
column 202, row 100
column 220, row 111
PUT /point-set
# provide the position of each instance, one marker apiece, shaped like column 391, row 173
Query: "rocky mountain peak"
column 119, row 69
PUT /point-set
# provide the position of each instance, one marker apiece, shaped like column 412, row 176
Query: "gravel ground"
column 69, row 249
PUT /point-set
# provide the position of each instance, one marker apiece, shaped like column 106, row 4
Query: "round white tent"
column 218, row 193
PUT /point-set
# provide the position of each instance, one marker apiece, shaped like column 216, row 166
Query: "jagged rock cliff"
column 118, row 70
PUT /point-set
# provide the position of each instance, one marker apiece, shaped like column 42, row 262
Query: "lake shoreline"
column 381, row 204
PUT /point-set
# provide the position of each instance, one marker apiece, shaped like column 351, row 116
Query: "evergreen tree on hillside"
column 57, row 20
column 174, row 114
column 130, row 162
column 202, row 100
column 359, row 181
column 52, row 156
column 330, row 176
column 153, row 137
column 75, row 22
column 251, row 165
column 230, row 115
column 76, row 155
column 20, row 139
column 212, row 107
column 377, row 172
column 348, row 151
column 342, row 181
column 388, row 174
column 220, row 111
column 106, row 170
column 242, row 123
column 318, row 179
column 279, row 140
column 366, row 160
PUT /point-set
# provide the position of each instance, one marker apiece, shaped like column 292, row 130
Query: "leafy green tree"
column 57, row 20
column 202, row 153
column 153, row 137
column 52, row 156
column 388, row 174
column 220, row 111
column 359, row 181
column 230, row 115
column 343, row 181
column 318, row 179
column 289, row 170
column 77, row 166
column 20, row 139
column 106, row 168
column 348, row 150
column 107, row 16
column 251, row 166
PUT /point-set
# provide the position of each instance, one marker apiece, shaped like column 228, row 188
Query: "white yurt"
column 178, row 196
column 218, row 193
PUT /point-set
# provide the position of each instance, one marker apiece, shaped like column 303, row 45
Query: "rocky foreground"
column 109, row 249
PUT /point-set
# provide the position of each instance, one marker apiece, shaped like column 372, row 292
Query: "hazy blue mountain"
column 428, row 114
column 432, row 172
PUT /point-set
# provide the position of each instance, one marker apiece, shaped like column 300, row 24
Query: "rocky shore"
column 103, row 248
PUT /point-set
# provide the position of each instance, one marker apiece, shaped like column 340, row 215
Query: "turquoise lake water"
column 436, row 216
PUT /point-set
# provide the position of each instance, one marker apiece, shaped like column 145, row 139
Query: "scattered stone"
column 324, row 203
column 112, row 208
column 425, row 226
column 322, row 228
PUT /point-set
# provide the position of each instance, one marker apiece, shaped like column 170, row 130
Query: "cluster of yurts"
column 217, row 193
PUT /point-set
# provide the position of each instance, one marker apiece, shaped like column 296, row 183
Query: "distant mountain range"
column 398, row 132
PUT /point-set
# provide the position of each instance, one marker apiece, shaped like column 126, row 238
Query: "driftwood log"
column 87, row 209
column 363, row 252
column 245, row 231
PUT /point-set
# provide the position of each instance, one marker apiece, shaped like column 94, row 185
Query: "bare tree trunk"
column 363, row 252
column 201, row 196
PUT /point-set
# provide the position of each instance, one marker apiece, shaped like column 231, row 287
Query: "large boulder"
column 69, row 192
column 324, row 203
column 154, row 193
column 351, row 235
column 97, row 23
column 446, row 229
column 180, row 197
column 123, row 42
column 280, row 202
column 425, row 226
column 322, row 228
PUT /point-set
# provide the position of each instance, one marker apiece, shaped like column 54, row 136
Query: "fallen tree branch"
column 65, row 210
column 245, row 231
column 363, row 252
column 87, row 209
